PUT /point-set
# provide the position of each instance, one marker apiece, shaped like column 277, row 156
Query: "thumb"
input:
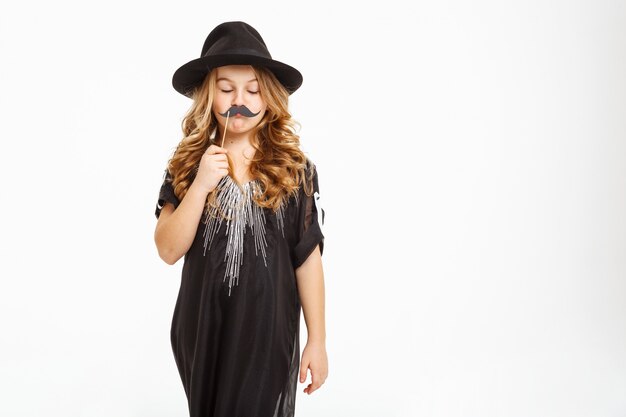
column 303, row 369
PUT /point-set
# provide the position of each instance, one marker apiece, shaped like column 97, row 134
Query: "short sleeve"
column 310, row 219
column 166, row 194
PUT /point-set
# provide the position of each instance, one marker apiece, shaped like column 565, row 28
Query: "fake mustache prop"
column 242, row 110
column 235, row 110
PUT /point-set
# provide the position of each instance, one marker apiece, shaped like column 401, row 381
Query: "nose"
column 238, row 99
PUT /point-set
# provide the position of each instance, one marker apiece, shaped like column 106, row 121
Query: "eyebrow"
column 228, row 79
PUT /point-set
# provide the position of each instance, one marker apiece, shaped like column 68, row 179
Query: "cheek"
column 220, row 99
column 260, row 106
column 257, row 102
column 220, row 106
column 263, row 110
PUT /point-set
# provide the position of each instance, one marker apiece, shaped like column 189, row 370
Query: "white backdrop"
column 472, row 167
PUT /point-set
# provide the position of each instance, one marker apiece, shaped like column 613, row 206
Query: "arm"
column 176, row 228
column 310, row 279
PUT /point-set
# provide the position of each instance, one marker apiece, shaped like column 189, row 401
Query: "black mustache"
column 242, row 110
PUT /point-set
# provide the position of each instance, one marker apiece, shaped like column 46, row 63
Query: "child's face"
column 237, row 86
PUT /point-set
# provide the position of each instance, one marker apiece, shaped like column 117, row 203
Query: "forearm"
column 310, row 279
column 175, row 234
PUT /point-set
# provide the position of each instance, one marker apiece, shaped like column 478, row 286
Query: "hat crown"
column 233, row 43
column 231, row 38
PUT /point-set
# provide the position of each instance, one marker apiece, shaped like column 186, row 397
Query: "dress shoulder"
column 309, row 217
column 166, row 194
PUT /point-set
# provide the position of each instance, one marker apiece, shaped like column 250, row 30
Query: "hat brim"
column 189, row 76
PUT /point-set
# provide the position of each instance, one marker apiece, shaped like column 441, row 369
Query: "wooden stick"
column 225, row 127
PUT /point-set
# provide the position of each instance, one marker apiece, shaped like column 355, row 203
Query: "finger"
column 220, row 157
column 310, row 389
column 215, row 158
column 315, row 381
column 221, row 164
column 214, row 149
column 218, row 149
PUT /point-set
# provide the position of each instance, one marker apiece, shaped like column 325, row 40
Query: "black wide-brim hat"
column 233, row 43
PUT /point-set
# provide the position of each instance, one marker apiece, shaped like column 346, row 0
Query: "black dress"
column 236, row 341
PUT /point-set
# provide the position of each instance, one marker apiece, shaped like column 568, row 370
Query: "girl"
column 238, row 201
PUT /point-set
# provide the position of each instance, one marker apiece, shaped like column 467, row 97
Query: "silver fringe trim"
column 240, row 211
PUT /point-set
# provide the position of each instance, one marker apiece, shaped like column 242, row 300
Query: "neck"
column 234, row 140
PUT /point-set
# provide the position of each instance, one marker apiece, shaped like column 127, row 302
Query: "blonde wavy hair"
column 278, row 163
